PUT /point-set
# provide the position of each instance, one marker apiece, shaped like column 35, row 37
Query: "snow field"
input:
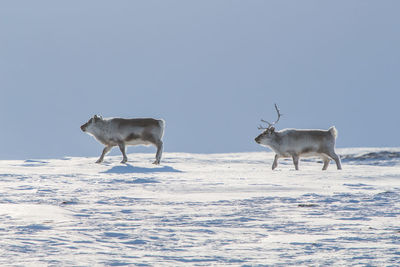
column 201, row 210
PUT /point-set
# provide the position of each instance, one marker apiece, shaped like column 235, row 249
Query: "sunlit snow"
column 201, row 209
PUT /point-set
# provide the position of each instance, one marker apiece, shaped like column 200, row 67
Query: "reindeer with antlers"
column 295, row 143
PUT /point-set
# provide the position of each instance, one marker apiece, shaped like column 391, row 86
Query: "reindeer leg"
column 105, row 151
column 296, row 161
column 275, row 164
column 159, row 152
column 326, row 162
column 336, row 158
column 122, row 148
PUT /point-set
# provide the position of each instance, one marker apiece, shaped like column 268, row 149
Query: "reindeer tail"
column 333, row 131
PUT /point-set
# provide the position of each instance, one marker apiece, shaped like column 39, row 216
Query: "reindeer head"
column 87, row 126
column 269, row 131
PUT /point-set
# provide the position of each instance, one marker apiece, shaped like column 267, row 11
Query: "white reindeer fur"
column 121, row 132
column 295, row 143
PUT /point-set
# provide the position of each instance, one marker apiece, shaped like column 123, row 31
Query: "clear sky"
column 211, row 69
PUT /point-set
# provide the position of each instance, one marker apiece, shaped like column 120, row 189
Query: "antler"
column 261, row 128
column 271, row 124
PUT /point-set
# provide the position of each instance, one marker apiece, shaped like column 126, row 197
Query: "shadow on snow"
column 132, row 169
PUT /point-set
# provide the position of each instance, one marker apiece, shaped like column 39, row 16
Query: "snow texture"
column 201, row 210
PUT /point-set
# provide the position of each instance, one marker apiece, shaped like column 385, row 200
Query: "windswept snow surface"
column 201, row 209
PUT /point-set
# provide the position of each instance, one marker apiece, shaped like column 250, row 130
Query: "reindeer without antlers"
column 126, row 132
column 294, row 143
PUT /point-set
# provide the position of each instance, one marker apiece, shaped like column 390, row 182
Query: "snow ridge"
column 390, row 157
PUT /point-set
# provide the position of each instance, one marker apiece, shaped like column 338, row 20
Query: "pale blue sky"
column 211, row 69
